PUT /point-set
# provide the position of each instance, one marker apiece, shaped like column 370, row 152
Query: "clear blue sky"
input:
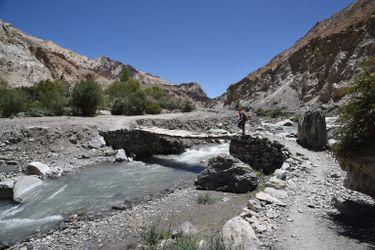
column 213, row 42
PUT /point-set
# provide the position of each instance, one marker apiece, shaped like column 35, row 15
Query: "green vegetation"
column 205, row 199
column 86, row 97
column 261, row 184
column 357, row 118
column 153, row 238
column 45, row 98
column 123, row 97
column 273, row 113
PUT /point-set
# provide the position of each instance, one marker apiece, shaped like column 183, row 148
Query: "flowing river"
column 95, row 188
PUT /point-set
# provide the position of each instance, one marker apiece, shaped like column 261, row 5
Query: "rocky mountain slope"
column 317, row 69
column 25, row 60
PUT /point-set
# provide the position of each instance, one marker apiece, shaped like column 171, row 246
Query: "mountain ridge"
column 316, row 70
column 26, row 60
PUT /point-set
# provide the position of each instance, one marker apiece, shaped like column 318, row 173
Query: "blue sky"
column 213, row 42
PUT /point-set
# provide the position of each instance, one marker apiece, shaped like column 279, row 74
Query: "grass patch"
column 272, row 113
column 205, row 199
column 262, row 181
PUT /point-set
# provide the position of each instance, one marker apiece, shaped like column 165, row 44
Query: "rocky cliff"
column 317, row 69
column 25, row 60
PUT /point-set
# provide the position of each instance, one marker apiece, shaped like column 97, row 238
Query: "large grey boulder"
column 6, row 189
column 37, row 168
column 225, row 173
column 237, row 233
column 24, row 186
column 259, row 153
column 312, row 131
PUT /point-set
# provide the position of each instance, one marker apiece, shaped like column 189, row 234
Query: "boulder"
column 312, row 131
column 237, row 233
column 259, row 153
column 254, row 205
column 121, row 156
column 280, row 194
column 37, row 168
column 280, row 174
column 6, row 189
column 285, row 123
column 360, row 174
column 97, row 142
column 225, row 173
column 24, row 186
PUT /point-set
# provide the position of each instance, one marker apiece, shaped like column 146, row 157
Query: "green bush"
column 51, row 97
column 135, row 103
column 155, row 93
column 153, row 108
column 205, row 199
column 125, row 75
column 357, row 118
column 12, row 101
column 273, row 113
column 187, row 106
column 116, row 90
column 118, row 107
column 86, row 97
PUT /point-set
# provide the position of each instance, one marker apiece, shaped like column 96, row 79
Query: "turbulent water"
column 96, row 188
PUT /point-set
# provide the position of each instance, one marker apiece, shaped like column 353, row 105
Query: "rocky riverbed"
column 303, row 205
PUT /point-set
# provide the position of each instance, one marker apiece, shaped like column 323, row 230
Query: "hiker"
column 243, row 119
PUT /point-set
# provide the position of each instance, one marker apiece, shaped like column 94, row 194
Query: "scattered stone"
column 23, row 187
column 225, row 173
column 312, row 131
column 276, row 183
column 254, row 205
column 121, row 155
column 280, row 174
column 85, row 156
column 266, row 197
column 285, row 166
column 280, row 194
column 185, row 229
column 237, row 233
column 37, row 168
column 259, row 153
column 286, row 123
column 12, row 162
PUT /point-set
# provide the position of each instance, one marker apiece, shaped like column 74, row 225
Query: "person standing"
column 242, row 120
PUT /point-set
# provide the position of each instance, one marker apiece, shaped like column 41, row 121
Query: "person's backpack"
column 244, row 117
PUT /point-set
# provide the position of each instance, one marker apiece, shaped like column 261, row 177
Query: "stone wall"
column 260, row 153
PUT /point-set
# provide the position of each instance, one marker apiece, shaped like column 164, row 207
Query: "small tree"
column 357, row 118
column 86, row 97
column 187, row 106
column 12, row 101
column 125, row 75
column 153, row 108
column 135, row 104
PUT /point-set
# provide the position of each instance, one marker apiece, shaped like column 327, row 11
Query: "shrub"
column 357, row 118
column 116, row 90
column 205, row 199
column 12, row 101
column 118, row 107
column 125, row 75
column 273, row 113
column 155, row 93
column 135, row 104
column 49, row 96
column 187, row 106
column 86, row 97
column 153, row 108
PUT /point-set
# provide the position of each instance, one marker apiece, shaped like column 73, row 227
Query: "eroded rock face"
column 317, row 69
column 142, row 143
column 360, row 174
column 312, row 131
column 259, row 153
column 37, row 168
column 6, row 189
column 228, row 174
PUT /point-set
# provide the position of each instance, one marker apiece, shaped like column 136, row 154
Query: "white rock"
column 266, row 197
column 280, row 174
column 286, row 123
column 285, row 166
column 97, row 142
column 186, row 229
column 24, row 187
column 254, row 205
column 237, row 233
column 276, row 183
column 280, row 194
column 37, row 168
column 121, row 155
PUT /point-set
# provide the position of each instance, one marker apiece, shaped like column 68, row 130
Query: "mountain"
column 317, row 70
column 26, row 60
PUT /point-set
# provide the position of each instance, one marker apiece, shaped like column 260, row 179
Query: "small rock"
column 280, row 194
column 254, row 205
column 280, row 174
column 121, row 155
column 97, row 142
column 276, row 183
column 37, row 168
column 237, row 233
column 266, row 197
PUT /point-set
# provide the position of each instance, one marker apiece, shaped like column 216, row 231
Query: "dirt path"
column 310, row 222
